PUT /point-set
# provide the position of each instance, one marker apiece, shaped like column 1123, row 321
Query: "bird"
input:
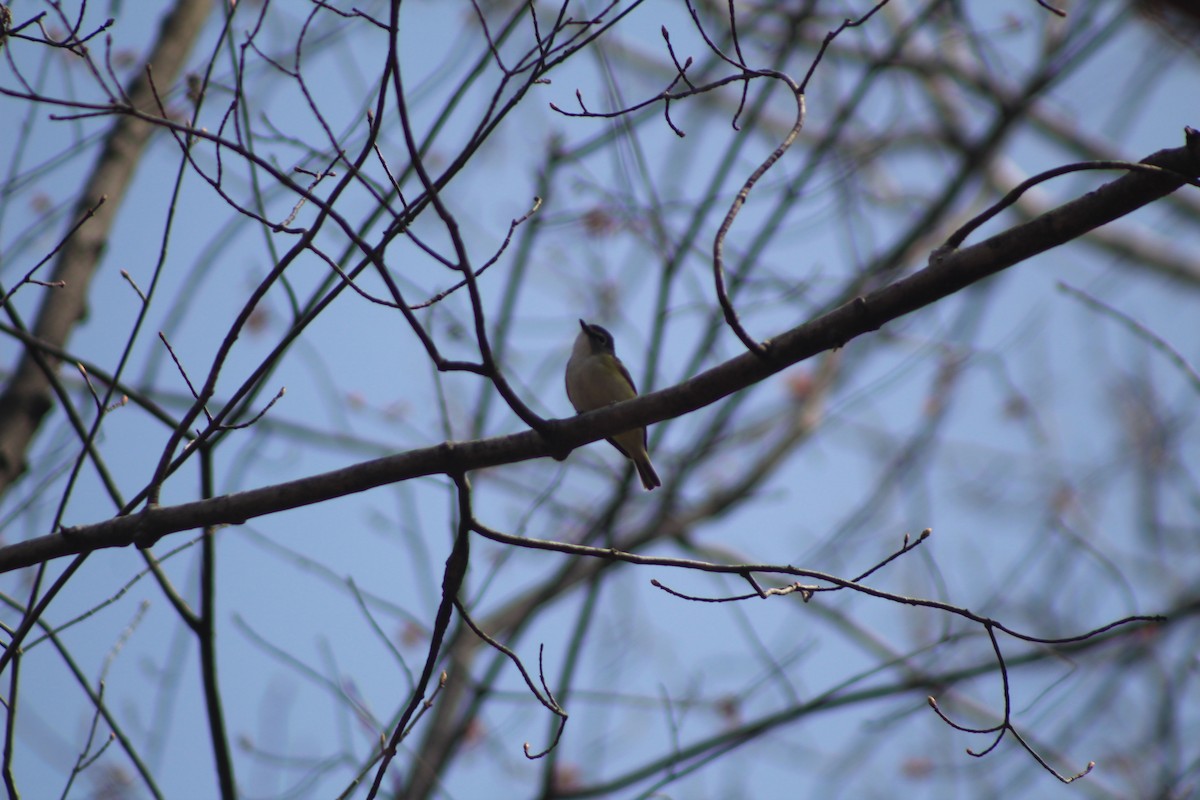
column 596, row 378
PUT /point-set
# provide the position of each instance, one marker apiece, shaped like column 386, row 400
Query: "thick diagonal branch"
column 947, row 274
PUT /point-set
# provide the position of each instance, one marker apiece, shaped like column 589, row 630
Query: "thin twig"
column 28, row 278
column 1057, row 12
column 956, row 239
column 1156, row 341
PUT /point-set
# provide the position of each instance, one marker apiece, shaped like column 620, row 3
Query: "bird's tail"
column 646, row 472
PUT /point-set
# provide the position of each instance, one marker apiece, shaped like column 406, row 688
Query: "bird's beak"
column 583, row 325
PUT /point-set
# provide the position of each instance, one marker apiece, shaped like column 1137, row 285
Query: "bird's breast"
column 594, row 382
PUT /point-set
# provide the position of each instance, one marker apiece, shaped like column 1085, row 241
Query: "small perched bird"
column 597, row 378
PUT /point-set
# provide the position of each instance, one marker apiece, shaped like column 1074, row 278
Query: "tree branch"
column 947, row 273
